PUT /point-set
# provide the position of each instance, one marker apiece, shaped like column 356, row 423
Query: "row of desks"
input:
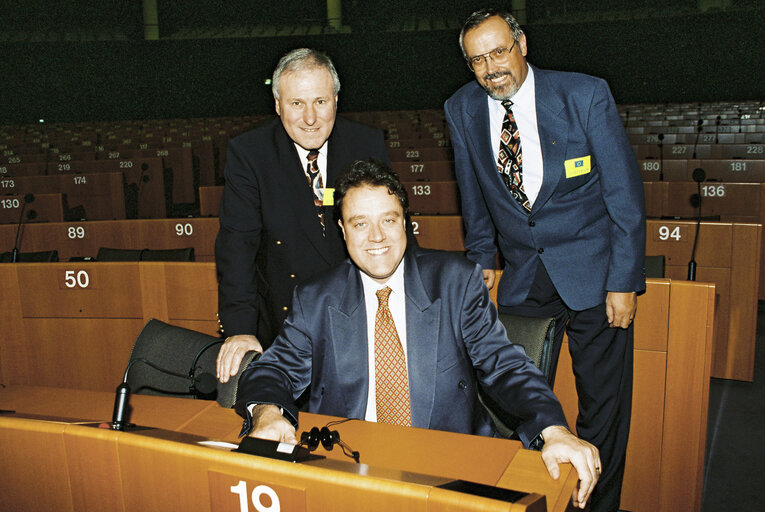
column 72, row 325
column 728, row 255
column 63, row 461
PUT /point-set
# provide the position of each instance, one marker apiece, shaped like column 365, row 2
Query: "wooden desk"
column 52, row 332
column 85, row 468
column 728, row 254
column 80, row 239
column 672, row 356
column 733, row 202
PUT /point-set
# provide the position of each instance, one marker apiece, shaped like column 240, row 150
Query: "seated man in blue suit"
column 402, row 336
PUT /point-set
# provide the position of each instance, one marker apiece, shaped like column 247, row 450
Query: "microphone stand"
column 661, row 157
column 698, row 176
column 15, row 253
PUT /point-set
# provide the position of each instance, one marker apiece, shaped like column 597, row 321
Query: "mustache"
column 492, row 76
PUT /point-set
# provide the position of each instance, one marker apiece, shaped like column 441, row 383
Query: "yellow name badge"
column 329, row 197
column 577, row 166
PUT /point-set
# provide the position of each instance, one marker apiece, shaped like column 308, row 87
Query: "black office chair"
column 654, row 266
column 109, row 254
column 536, row 337
column 189, row 354
column 30, row 257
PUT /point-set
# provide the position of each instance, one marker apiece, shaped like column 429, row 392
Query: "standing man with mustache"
column 547, row 176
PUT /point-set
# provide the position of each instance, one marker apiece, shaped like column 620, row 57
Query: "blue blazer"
column 454, row 341
column 588, row 229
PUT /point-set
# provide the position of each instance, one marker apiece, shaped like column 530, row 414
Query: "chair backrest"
column 227, row 392
column 108, row 254
column 654, row 266
column 174, row 349
column 30, row 257
column 536, row 336
column 185, row 254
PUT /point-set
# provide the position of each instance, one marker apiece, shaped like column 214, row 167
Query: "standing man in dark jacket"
column 276, row 224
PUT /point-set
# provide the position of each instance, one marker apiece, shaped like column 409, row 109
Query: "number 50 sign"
column 229, row 494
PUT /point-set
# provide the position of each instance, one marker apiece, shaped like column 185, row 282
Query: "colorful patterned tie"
column 316, row 183
column 391, row 380
column 510, row 160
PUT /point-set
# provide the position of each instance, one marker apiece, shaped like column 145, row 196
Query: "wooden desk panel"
column 661, row 324
column 728, row 255
column 45, row 208
column 83, row 239
column 168, row 470
column 433, row 197
column 674, row 327
column 733, row 202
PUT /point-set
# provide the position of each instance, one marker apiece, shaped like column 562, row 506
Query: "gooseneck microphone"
column 661, row 157
column 28, row 198
column 203, row 384
column 699, row 125
column 698, row 176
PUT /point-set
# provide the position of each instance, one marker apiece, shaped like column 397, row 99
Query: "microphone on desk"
column 200, row 385
column 699, row 125
column 661, row 157
column 698, row 176
column 28, row 198
column 717, row 130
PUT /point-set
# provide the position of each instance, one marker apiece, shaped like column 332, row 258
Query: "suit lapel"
column 553, row 136
column 348, row 325
column 299, row 193
column 422, row 326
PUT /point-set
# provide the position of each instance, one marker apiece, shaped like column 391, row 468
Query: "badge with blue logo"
column 577, row 166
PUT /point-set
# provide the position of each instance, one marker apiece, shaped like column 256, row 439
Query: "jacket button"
column 284, row 308
column 462, row 384
column 540, row 250
column 532, row 223
column 292, row 276
column 278, row 242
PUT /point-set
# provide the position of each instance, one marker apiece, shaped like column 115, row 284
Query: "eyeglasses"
column 497, row 55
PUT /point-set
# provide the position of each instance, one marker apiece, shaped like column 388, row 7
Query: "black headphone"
column 328, row 439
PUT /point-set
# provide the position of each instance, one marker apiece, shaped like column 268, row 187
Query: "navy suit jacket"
column 454, row 341
column 270, row 237
column 589, row 229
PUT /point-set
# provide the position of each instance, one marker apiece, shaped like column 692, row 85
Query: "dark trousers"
column 602, row 365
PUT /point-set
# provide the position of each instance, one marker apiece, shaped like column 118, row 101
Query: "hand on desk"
column 269, row 423
column 232, row 352
column 563, row 446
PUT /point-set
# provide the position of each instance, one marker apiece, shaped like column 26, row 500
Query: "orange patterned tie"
column 391, row 381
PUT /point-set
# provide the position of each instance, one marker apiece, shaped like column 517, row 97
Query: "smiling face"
column 501, row 78
column 373, row 228
column 307, row 105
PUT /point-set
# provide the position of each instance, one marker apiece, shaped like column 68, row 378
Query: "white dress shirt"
column 525, row 113
column 397, row 306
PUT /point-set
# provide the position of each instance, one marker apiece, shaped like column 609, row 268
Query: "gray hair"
column 299, row 60
column 482, row 15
